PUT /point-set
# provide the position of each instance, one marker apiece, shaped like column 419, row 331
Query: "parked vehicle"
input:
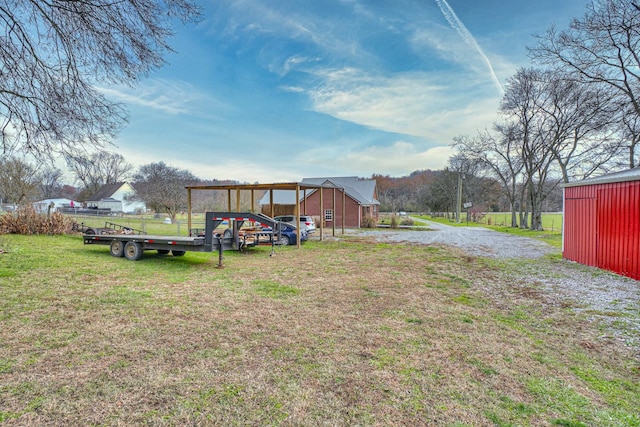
column 288, row 235
column 307, row 222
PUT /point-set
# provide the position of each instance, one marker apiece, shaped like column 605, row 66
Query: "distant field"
column 551, row 221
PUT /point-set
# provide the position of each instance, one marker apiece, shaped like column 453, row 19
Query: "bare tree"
column 555, row 127
column 50, row 182
column 630, row 134
column 98, row 169
column 466, row 168
column 601, row 48
column 18, row 180
column 442, row 192
column 162, row 187
column 498, row 153
column 53, row 52
column 578, row 121
column 524, row 93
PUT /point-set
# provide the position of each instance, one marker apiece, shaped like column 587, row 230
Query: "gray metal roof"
column 626, row 175
column 361, row 190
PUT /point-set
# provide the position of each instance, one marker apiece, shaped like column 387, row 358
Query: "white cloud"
column 397, row 159
column 206, row 166
column 400, row 158
column 431, row 106
column 243, row 170
column 169, row 96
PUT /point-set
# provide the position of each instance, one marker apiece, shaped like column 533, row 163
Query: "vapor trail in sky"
column 457, row 25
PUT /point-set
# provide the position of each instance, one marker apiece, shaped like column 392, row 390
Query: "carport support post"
column 189, row 211
column 298, row 216
column 321, row 213
column 271, row 207
column 344, row 200
column 333, row 220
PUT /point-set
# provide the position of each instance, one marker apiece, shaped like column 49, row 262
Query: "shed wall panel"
column 580, row 231
column 618, row 228
column 586, row 192
column 602, row 226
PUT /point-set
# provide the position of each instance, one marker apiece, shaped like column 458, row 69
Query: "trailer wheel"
column 117, row 248
column 132, row 251
column 163, row 251
column 177, row 253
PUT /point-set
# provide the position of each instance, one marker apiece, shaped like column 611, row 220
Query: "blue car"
column 288, row 235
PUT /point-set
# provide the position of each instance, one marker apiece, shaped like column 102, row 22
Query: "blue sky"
column 274, row 90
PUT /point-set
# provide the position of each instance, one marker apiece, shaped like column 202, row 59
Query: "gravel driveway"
column 477, row 241
column 606, row 297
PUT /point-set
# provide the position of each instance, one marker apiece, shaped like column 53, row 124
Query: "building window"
column 328, row 215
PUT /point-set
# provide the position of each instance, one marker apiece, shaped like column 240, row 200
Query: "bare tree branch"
column 54, row 52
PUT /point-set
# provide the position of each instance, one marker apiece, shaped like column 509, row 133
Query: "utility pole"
column 459, row 201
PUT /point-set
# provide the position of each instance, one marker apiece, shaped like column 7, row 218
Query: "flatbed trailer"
column 132, row 246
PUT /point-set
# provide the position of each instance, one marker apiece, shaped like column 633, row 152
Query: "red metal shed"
column 602, row 222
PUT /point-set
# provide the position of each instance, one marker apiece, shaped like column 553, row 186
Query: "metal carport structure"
column 291, row 186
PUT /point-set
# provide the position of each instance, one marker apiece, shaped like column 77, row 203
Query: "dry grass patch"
column 337, row 333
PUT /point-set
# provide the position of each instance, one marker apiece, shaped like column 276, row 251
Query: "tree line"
column 162, row 186
column 436, row 192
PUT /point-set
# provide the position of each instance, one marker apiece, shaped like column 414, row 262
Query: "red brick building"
column 360, row 197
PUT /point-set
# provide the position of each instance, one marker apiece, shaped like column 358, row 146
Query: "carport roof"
column 272, row 186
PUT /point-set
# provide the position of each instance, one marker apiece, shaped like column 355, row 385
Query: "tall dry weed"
column 27, row 221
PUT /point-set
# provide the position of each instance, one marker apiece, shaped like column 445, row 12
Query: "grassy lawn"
column 346, row 332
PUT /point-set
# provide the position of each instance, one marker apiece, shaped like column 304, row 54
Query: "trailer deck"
column 132, row 246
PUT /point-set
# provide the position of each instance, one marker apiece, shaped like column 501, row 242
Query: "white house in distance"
column 114, row 197
column 42, row 206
